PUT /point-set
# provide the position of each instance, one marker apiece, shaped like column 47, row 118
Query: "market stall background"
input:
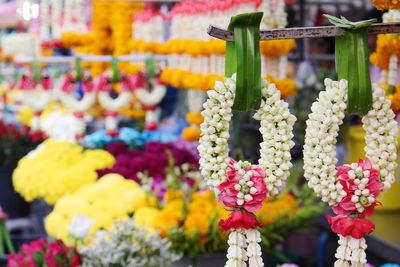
column 101, row 107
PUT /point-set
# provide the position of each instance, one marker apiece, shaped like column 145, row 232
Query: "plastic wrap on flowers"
column 119, row 198
column 57, row 168
column 129, row 136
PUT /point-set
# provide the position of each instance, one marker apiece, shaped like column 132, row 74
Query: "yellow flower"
column 146, row 217
column 277, row 48
column 194, row 118
column 191, row 134
column 287, row 87
column 56, row 169
column 164, row 221
column 111, row 198
column 285, row 206
column 196, row 221
column 173, row 195
column 175, row 208
column 386, row 4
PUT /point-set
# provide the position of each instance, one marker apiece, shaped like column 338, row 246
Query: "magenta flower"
column 243, row 188
column 365, row 195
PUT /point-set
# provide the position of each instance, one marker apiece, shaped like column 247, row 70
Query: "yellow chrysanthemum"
column 111, row 198
column 146, row 217
column 58, row 168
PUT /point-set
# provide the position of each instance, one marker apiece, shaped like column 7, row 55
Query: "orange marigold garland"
column 386, row 4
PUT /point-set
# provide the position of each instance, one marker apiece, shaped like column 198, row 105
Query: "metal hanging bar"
column 306, row 32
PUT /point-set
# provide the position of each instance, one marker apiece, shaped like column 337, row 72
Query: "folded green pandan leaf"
column 352, row 63
column 78, row 69
column 36, row 71
column 150, row 67
column 115, row 70
column 243, row 58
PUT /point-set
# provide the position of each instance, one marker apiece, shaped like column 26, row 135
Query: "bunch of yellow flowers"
column 57, row 168
column 110, row 198
column 195, row 216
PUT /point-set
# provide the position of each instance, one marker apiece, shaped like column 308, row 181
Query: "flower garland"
column 241, row 185
column 36, row 96
column 79, row 107
column 386, row 58
column 44, row 20
column 150, row 98
column 350, row 189
column 112, row 105
column 386, row 4
column 193, row 117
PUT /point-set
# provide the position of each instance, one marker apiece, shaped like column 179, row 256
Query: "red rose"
column 240, row 219
column 356, row 227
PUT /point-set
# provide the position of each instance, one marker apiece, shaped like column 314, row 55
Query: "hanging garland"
column 78, row 106
column 106, row 85
column 195, row 101
column 150, row 97
column 350, row 189
column 241, row 185
column 36, row 95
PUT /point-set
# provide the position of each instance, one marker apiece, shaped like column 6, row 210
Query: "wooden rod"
column 306, row 32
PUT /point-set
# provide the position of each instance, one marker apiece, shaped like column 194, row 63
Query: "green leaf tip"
column 243, row 57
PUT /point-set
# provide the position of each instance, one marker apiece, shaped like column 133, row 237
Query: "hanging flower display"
column 150, row 91
column 69, row 88
column 351, row 189
column 36, row 95
column 106, row 86
column 242, row 186
column 386, row 57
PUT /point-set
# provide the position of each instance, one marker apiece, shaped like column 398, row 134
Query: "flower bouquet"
column 126, row 245
column 41, row 253
column 16, row 143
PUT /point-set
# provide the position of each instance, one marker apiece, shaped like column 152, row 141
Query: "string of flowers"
column 386, row 57
column 78, row 106
column 350, row 189
column 106, row 86
column 242, row 186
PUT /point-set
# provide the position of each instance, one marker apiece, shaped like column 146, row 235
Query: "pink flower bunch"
column 362, row 186
column 40, row 253
column 244, row 188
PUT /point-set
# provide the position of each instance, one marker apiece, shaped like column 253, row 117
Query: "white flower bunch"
column 277, row 132
column 381, row 137
column 351, row 250
column 320, row 139
column 237, row 255
column 276, row 129
column 253, row 238
column 393, row 15
column 127, row 246
column 213, row 144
